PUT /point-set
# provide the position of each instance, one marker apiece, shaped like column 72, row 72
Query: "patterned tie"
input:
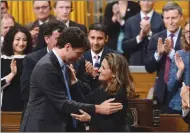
column 96, row 63
column 66, row 79
column 146, row 18
column 168, row 61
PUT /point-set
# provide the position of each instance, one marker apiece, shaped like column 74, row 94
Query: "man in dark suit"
column 50, row 102
column 116, row 13
column 63, row 10
column 88, row 66
column 161, row 50
column 51, row 31
column 42, row 11
column 138, row 30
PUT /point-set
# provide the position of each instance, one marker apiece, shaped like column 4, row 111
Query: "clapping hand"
column 72, row 74
column 179, row 62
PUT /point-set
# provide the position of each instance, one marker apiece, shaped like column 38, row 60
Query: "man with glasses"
column 42, row 11
column 63, row 10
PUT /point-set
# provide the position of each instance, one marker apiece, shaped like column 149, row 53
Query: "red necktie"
column 168, row 61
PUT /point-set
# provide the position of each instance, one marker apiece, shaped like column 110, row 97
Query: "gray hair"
column 172, row 6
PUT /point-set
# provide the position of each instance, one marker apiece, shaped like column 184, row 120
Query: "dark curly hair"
column 7, row 48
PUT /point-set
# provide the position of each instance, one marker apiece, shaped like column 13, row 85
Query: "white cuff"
column 185, row 112
column 138, row 41
column 171, row 54
column 157, row 57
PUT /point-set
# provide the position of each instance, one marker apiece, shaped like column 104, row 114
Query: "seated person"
column 115, row 83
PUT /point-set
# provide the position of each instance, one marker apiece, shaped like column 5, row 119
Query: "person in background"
column 115, row 83
column 7, row 21
column 161, row 50
column 115, row 16
column 42, row 10
column 180, row 70
column 87, row 67
column 16, row 45
column 63, row 10
column 138, row 31
column 4, row 7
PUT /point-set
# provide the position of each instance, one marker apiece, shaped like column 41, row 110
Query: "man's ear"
column 46, row 38
column 107, row 37
column 67, row 46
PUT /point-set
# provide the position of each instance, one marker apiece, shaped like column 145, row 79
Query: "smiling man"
column 161, row 50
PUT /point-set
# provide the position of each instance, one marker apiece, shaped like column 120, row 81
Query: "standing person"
column 161, row 50
column 179, row 71
column 115, row 16
column 50, row 103
column 87, row 67
column 115, row 78
column 138, row 31
column 51, row 32
column 16, row 45
column 63, row 10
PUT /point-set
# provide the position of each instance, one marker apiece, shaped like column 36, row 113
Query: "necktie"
column 146, row 18
column 66, row 79
column 96, row 63
column 168, row 61
column 119, row 41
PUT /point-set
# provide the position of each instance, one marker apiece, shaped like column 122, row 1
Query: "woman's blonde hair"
column 123, row 78
column 185, row 44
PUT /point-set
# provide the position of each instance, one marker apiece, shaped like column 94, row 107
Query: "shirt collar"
column 40, row 22
column 58, row 57
column 93, row 54
column 175, row 34
column 148, row 15
column 67, row 23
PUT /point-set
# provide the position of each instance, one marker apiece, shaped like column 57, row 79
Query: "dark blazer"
column 49, row 109
column 29, row 63
column 138, row 51
column 81, row 72
column 74, row 24
column 34, row 24
column 104, row 123
column 113, row 29
column 151, row 65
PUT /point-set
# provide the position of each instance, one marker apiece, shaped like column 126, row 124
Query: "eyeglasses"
column 42, row 7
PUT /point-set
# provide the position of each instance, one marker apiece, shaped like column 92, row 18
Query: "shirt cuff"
column 185, row 112
column 171, row 54
column 138, row 41
column 157, row 57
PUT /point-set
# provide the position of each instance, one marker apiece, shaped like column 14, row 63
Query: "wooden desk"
column 10, row 121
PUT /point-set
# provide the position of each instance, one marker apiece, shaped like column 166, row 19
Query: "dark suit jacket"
column 49, row 109
column 113, row 29
column 74, row 24
column 138, row 51
column 151, row 65
column 81, row 72
column 34, row 24
column 29, row 63
column 105, row 123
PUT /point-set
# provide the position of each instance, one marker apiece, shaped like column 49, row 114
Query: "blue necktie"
column 66, row 79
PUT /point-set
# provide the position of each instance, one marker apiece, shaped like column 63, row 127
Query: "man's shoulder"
column 159, row 34
column 37, row 55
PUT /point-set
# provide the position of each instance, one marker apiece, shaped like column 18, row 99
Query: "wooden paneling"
column 143, row 82
column 10, row 121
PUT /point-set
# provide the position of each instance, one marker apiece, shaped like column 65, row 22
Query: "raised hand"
column 160, row 47
column 179, row 62
column 168, row 45
column 13, row 67
column 72, row 74
column 90, row 69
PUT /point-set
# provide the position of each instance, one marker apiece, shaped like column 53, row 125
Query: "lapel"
column 178, row 42
column 56, row 64
column 104, row 53
column 137, row 25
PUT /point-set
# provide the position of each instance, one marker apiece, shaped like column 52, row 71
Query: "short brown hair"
column 185, row 44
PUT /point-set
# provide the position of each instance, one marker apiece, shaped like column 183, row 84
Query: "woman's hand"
column 13, row 67
column 179, row 62
column 84, row 117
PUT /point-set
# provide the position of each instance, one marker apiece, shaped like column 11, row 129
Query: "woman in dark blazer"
column 180, row 70
column 116, row 81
